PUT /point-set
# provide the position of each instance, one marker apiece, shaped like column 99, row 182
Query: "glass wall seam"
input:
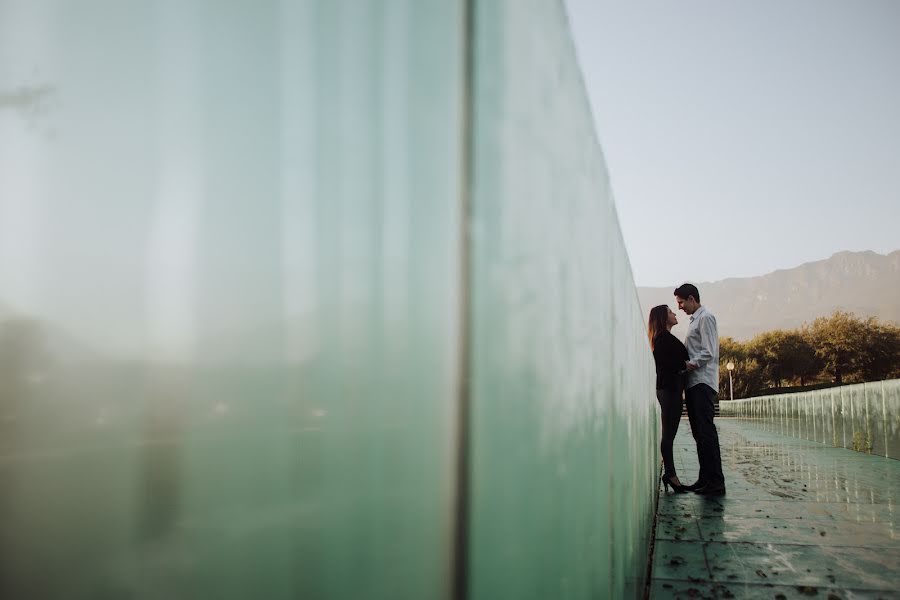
column 460, row 553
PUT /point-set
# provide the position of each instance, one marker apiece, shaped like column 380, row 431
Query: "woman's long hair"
column 659, row 322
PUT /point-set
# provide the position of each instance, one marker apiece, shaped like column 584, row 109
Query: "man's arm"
column 708, row 336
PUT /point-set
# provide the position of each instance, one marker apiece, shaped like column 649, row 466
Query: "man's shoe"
column 695, row 486
column 713, row 489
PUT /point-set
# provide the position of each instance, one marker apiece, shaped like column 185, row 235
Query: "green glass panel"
column 874, row 415
column 838, row 417
column 230, row 332
column 858, row 438
column 564, row 453
column 864, row 417
column 821, row 423
column 891, row 418
column 229, row 241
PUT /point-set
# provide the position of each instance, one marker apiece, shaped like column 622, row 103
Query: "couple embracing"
column 691, row 368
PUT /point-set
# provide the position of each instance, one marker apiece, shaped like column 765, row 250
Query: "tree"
column 784, row 356
column 838, row 341
column 799, row 357
column 748, row 378
column 841, row 347
column 879, row 356
column 731, row 349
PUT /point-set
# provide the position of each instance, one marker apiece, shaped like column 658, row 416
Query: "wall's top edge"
column 852, row 386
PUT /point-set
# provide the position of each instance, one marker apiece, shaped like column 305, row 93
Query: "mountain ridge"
column 865, row 283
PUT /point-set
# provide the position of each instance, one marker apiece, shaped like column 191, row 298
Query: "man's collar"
column 697, row 313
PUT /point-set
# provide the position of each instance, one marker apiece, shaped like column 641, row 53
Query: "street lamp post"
column 730, row 367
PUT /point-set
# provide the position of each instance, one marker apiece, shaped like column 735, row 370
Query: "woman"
column 670, row 356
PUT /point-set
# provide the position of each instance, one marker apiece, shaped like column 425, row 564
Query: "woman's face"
column 672, row 320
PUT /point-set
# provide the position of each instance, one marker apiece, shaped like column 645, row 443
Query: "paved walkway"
column 800, row 520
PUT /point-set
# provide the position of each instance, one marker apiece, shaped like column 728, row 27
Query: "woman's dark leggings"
column 670, row 401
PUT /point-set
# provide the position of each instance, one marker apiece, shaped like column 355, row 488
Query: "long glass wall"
column 257, row 259
column 564, row 431
column 864, row 417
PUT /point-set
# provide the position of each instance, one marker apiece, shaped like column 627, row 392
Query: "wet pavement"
column 800, row 520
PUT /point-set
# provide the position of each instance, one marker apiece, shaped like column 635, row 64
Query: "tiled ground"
column 800, row 520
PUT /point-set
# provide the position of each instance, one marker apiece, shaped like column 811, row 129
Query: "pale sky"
column 744, row 137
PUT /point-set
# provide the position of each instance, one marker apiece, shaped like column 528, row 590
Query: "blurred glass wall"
column 257, row 259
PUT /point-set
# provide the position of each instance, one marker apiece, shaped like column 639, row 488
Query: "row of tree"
column 838, row 349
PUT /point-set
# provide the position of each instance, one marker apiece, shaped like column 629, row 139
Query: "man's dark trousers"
column 700, row 400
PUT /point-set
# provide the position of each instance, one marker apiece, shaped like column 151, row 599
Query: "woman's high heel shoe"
column 667, row 482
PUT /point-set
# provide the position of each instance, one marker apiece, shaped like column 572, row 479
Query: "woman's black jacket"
column 670, row 355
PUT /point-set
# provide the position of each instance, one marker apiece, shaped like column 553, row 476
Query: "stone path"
column 801, row 520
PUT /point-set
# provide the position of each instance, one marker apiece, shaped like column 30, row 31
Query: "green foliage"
column 879, row 357
column 747, row 376
column 785, row 356
column 840, row 348
column 838, row 340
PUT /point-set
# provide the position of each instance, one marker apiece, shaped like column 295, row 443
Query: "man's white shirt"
column 702, row 343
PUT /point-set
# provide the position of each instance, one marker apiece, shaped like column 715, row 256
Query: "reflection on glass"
column 229, row 237
column 237, row 241
column 864, row 417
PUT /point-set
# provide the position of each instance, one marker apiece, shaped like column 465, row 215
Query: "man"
column 702, row 343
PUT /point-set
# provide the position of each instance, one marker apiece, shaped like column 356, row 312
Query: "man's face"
column 688, row 305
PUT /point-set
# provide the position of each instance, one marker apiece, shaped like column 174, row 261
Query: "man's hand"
column 689, row 365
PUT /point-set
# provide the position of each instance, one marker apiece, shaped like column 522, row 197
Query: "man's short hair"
column 687, row 289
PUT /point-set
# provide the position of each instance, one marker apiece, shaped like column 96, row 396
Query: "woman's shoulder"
column 666, row 337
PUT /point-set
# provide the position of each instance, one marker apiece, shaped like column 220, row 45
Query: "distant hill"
column 864, row 283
